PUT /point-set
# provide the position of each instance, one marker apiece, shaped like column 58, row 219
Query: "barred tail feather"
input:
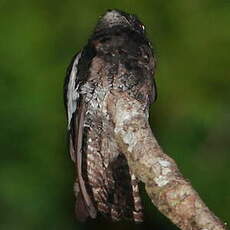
column 138, row 208
column 127, row 201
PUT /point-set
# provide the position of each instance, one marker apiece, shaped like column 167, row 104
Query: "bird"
column 117, row 57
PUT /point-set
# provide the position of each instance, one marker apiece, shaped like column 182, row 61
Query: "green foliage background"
column 191, row 117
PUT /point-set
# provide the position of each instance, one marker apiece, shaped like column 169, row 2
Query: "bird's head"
column 114, row 18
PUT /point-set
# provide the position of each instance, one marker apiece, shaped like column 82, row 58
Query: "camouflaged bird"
column 118, row 57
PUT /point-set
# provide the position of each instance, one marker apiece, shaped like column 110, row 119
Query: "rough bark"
column 169, row 191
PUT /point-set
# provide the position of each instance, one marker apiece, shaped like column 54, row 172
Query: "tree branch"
column 169, row 191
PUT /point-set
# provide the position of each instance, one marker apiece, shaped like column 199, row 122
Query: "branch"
column 169, row 191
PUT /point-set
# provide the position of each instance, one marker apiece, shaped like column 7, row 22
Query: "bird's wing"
column 71, row 98
column 75, row 113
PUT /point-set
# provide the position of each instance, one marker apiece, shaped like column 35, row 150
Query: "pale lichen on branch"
column 169, row 191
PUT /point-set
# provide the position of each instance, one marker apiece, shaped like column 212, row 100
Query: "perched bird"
column 118, row 57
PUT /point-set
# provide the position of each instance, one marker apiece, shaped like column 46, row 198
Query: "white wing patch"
column 72, row 92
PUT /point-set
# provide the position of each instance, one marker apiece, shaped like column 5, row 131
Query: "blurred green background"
column 191, row 117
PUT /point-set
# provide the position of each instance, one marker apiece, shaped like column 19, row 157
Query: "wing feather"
column 78, row 149
column 75, row 113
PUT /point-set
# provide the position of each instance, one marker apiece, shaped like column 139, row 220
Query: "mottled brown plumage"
column 118, row 57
